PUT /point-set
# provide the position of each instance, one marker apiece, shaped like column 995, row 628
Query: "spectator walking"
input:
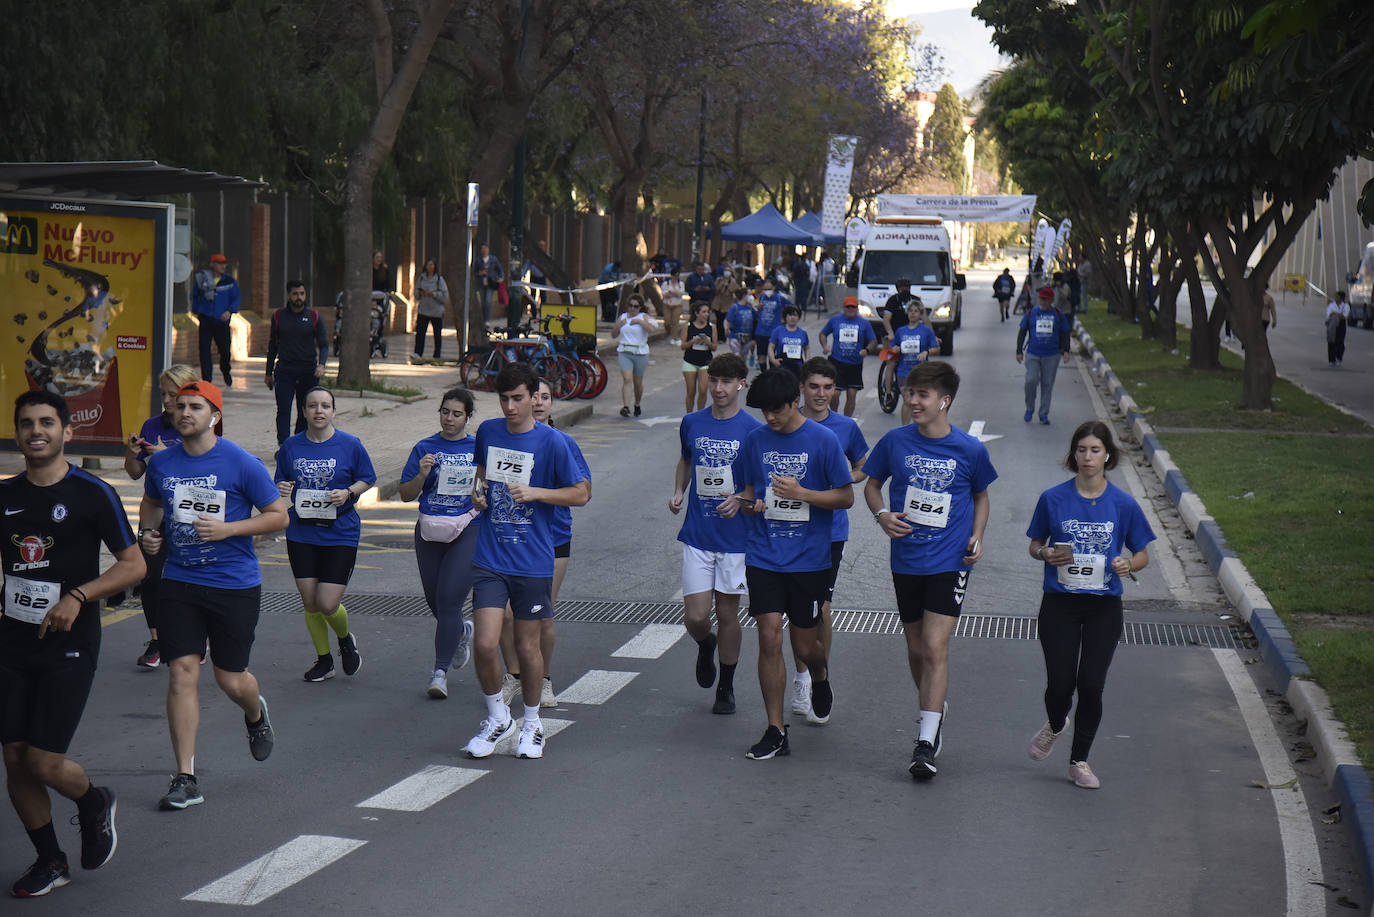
column 487, row 273
column 214, row 300
column 610, row 297
column 1337, row 318
column 297, row 347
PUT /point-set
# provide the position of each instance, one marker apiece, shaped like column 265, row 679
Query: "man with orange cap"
column 214, row 300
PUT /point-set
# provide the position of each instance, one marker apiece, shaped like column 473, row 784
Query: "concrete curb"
column 1334, row 750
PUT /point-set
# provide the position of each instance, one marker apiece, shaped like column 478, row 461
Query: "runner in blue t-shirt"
column 739, row 325
column 771, row 304
column 793, row 474
column 789, row 345
column 713, row 545
column 322, row 472
column 819, row 377
column 1080, row 530
column 440, row 471
column 846, row 339
column 205, row 489
column 915, row 342
column 1048, row 331
column 524, row 470
column 937, row 512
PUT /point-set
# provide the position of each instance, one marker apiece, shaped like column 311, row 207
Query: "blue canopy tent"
column 768, row 226
column 811, row 223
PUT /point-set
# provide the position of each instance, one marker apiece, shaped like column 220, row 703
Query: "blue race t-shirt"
column 1044, row 328
column 855, row 447
column 562, row 515
column 316, row 468
column 793, row 535
column 1097, row 529
column 789, row 345
column 849, row 337
column 933, row 482
column 517, row 538
column 710, row 447
column 741, row 318
column 910, row 342
column 225, row 482
column 447, row 490
column 770, row 313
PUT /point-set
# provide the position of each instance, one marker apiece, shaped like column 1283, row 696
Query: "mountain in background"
column 966, row 42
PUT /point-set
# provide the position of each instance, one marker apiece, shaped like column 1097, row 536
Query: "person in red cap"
column 214, row 300
column 846, row 338
column 1043, row 338
column 205, row 490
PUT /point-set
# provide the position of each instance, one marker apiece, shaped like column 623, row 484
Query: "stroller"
column 377, row 319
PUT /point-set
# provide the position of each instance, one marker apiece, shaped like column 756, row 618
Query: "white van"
column 915, row 248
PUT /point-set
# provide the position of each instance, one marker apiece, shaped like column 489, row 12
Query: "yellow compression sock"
column 338, row 621
column 318, row 626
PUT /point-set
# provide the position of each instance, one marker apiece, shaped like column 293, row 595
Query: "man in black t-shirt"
column 894, row 310
column 55, row 518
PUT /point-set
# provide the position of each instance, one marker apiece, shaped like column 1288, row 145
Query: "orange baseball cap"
column 851, row 301
column 218, row 259
column 207, row 390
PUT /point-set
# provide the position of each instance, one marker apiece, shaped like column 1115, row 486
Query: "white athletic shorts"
column 706, row 571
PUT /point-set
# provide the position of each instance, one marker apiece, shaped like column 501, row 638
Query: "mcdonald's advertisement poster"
column 84, row 312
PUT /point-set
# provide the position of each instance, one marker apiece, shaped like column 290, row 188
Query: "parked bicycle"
column 479, row 367
column 580, row 348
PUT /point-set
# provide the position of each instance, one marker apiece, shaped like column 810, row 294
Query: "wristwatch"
column 878, row 515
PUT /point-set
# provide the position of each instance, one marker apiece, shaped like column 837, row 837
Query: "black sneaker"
column 322, row 669
column 637, row 411
column 706, row 661
column 348, row 655
column 151, row 657
column 940, row 730
column 773, row 744
column 822, row 702
column 725, row 702
column 98, row 837
column 261, row 737
column 923, row 761
column 183, row 792
column 43, row 876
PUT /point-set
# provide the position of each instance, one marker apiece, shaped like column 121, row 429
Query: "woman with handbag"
column 322, row 472
column 440, row 471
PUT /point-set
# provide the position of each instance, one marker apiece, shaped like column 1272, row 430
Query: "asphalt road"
column 645, row 804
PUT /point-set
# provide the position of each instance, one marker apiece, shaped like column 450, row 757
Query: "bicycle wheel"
column 888, row 395
column 564, row 378
column 596, row 375
column 477, row 370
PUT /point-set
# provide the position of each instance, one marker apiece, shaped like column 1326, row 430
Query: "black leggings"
column 1078, row 635
column 437, row 323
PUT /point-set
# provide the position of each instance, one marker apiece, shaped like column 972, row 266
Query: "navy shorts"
column 43, row 693
column 797, row 595
column 191, row 614
column 530, row 597
column 938, row 593
column 836, row 555
column 328, row 563
column 848, row 375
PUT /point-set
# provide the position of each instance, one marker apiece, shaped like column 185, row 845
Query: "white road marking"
column 655, row 421
column 975, row 430
column 651, row 642
column 421, row 790
column 1302, row 859
column 509, row 741
column 596, row 687
column 278, row 870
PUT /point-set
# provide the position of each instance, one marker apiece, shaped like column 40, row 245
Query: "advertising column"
column 84, row 312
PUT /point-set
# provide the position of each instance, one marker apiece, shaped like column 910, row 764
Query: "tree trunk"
column 367, row 158
column 1201, row 346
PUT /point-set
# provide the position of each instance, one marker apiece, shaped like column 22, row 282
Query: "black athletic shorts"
column 43, row 690
column 938, row 593
column 563, row 550
column 328, row 563
column 191, row 614
column 797, row 595
column 848, row 375
column 836, row 555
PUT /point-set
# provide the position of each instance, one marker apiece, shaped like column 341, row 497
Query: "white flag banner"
column 839, row 167
column 978, row 208
column 1038, row 243
column 1061, row 239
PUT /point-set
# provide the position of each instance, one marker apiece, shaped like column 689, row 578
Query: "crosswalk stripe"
column 508, row 742
column 421, row 790
column 278, row 870
column 651, row 642
column 595, row 687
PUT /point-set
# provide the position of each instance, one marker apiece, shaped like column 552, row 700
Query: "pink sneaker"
column 1083, row 776
column 1042, row 742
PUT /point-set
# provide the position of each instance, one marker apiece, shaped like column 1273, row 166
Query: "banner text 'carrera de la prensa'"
column 85, row 312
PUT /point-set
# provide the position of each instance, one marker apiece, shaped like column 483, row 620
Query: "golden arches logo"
column 20, row 235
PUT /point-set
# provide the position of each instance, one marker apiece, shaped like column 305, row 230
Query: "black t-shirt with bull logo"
column 50, row 540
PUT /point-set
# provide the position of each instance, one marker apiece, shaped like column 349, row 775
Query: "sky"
column 951, row 26
column 913, row 7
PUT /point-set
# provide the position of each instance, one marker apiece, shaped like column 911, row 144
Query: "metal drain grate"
column 846, row 621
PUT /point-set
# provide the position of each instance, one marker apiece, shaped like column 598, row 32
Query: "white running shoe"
column 546, row 695
column 510, row 688
column 491, row 732
column 801, row 697
column 531, row 741
column 464, row 652
column 438, row 685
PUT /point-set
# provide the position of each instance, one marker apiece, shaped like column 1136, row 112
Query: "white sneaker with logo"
column 531, row 741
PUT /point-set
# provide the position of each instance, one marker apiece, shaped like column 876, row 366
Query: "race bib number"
column 926, row 507
column 509, row 466
column 911, row 346
column 849, row 334
column 1044, row 326
column 314, row 504
column 792, row 350
column 455, row 480
column 1088, row 571
column 29, row 600
column 780, row 509
column 190, row 502
column 715, row 481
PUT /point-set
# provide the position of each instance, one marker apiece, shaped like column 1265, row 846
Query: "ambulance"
column 915, row 248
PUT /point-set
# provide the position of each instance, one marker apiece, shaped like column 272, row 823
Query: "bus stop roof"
column 126, row 178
